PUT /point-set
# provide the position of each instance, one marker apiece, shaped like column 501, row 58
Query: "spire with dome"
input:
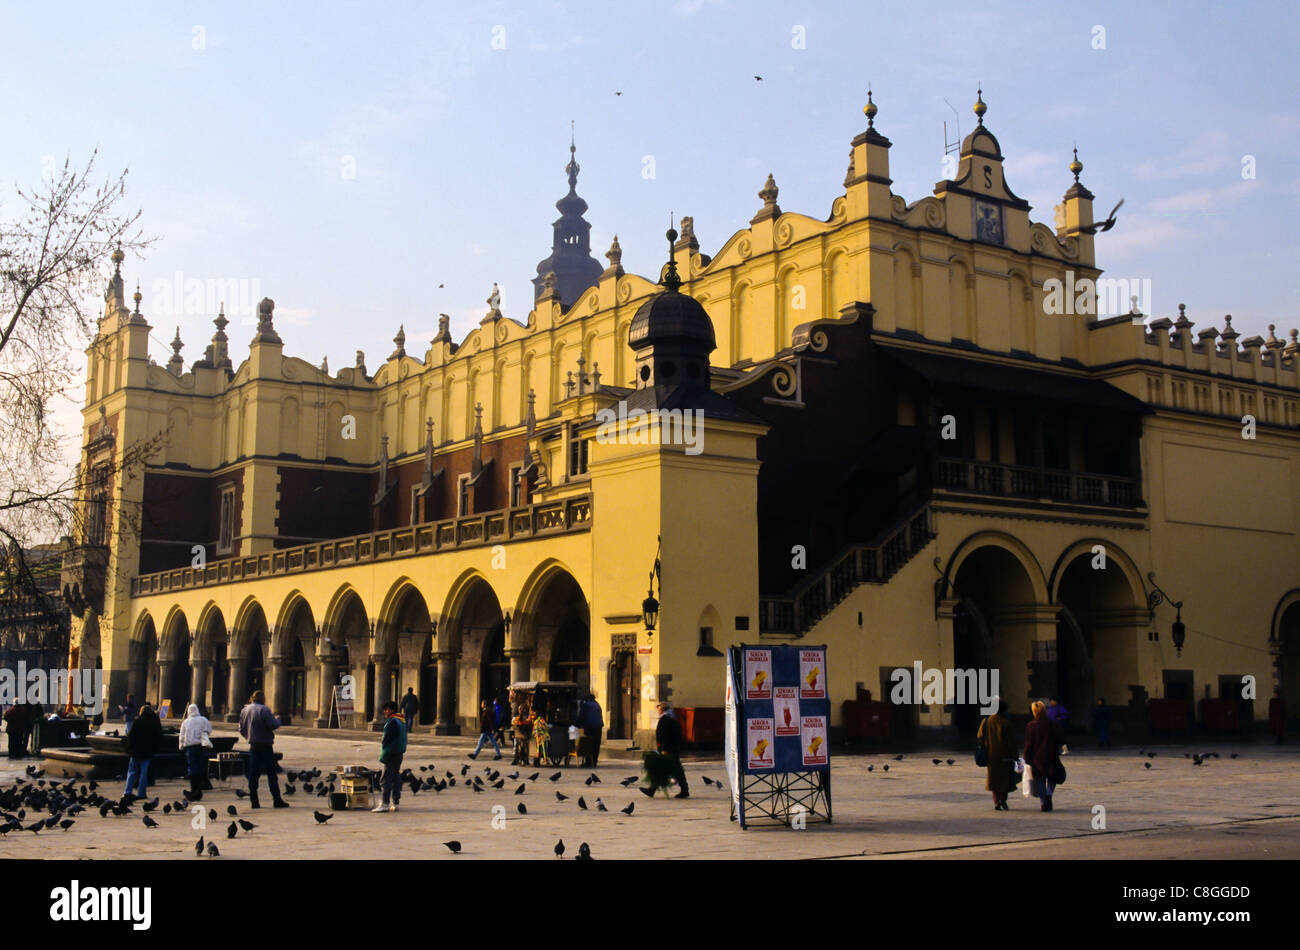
column 571, row 261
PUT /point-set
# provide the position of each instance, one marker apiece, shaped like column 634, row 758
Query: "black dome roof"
column 671, row 317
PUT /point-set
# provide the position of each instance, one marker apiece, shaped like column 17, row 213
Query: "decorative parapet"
column 567, row 516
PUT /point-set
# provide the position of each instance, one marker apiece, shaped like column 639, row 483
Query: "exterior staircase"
column 874, row 562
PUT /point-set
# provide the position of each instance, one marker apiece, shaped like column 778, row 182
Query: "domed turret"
column 672, row 335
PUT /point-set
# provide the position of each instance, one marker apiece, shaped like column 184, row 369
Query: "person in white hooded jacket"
column 194, row 742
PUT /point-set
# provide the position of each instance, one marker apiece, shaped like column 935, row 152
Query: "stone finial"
column 568, row 384
column 1228, row 336
column 428, row 450
column 615, row 253
column 1076, row 166
column 688, row 235
column 1272, row 342
column 444, row 329
column 770, row 208
column 870, row 110
column 219, row 355
column 176, row 365
column 582, row 374
column 550, row 284
column 530, row 421
column 1294, row 346
column 980, row 106
column 1182, row 320
column 595, row 377
column 265, row 322
column 400, row 341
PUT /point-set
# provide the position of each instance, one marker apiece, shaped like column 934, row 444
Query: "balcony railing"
column 492, row 527
column 1022, row 481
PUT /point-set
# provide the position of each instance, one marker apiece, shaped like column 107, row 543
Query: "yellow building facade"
column 920, row 443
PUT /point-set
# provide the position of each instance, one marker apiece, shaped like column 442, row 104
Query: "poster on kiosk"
column 777, row 712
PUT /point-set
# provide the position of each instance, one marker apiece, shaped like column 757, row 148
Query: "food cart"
column 558, row 702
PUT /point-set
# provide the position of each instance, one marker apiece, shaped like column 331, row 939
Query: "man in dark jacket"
column 392, row 746
column 142, row 744
column 16, row 728
column 593, row 723
column 487, row 727
column 668, row 737
column 410, row 707
column 257, row 725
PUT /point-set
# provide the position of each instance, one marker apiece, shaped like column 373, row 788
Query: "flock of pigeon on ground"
column 64, row 801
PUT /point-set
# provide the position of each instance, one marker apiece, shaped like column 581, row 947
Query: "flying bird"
column 321, row 817
column 1102, row 226
column 618, row 93
column 759, row 78
column 453, row 846
column 559, row 848
column 628, row 809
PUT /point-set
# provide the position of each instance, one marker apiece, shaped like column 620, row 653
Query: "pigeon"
column 1146, row 765
column 1232, row 755
column 521, row 808
column 584, row 852
column 1151, row 755
column 871, row 768
column 560, row 797
column 246, row 825
column 512, row 776
column 588, row 781
column 231, row 830
column 321, row 817
column 618, row 93
column 886, row 768
column 212, row 850
column 212, row 814
column 1197, row 760
column 555, row 777
column 520, row 789
column 67, row 823
column 600, row 806
column 150, row 806
column 581, row 803
column 759, row 78
column 463, row 771
column 708, row 781
column 500, row 784
column 533, row 777
column 36, row 828
column 167, row 809
column 559, row 848
column 232, row 811
column 1102, row 226
column 951, row 761
column 936, row 761
column 148, row 822
column 628, row 781
column 198, row 847
column 453, row 846
column 628, row 809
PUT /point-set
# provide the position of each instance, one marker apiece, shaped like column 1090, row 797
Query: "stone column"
column 446, row 724
column 237, row 696
column 383, row 678
column 199, row 671
column 325, row 693
column 520, row 665
column 164, row 681
column 278, row 681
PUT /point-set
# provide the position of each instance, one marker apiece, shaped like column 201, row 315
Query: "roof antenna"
column 950, row 147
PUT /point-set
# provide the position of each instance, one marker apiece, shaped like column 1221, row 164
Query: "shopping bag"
column 1029, row 776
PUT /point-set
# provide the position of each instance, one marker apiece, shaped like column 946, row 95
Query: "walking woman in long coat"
column 1042, row 744
column 1000, row 744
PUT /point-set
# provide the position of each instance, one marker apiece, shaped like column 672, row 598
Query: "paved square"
column 1248, row 807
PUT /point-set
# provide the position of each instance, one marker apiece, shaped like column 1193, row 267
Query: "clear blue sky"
column 237, row 149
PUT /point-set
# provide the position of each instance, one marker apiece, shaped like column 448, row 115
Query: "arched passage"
column 1286, row 646
column 142, row 659
column 174, row 663
column 404, row 641
column 1102, row 610
column 292, row 643
column 247, row 656
column 210, row 669
column 1002, row 614
column 344, row 643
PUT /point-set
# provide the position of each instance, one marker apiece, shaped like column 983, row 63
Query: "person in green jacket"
column 392, row 746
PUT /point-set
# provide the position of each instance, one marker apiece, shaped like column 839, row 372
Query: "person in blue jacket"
column 392, row 746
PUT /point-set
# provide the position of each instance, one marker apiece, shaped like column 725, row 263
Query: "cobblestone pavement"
column 1248, row 807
